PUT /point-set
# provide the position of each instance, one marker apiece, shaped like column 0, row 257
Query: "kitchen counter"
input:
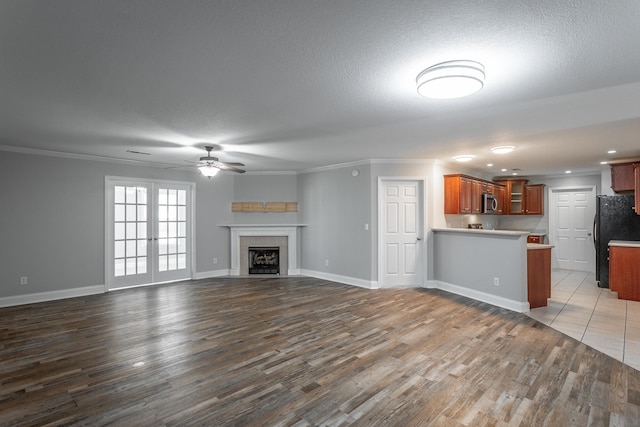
column 483, row 231
column 625, row 243
column 533, row 246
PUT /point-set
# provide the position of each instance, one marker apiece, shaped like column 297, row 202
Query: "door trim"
column 423, row 255
column 108, row 219
column 552, row 215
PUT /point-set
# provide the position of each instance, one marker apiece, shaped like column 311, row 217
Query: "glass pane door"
column 130, row 259
column 148, row 233
column 172, row 226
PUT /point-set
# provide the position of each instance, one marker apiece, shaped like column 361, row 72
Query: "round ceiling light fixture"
column 451, row 79
column 464, row 157
column 503, row 149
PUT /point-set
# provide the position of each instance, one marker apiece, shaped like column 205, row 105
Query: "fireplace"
column 282, row 236
column 264, row 260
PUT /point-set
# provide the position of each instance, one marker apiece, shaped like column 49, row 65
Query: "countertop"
column 483, row 231
column 626, row 243
column 531, row 246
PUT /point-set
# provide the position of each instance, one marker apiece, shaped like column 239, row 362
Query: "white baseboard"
column 209, row 274
column 509, row 304
column 368, row 284
column 51, row 295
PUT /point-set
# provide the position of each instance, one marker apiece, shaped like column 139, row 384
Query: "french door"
column 148, row 232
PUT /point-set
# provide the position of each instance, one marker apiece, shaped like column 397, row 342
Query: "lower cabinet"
column 624, row 271
column 538, row 276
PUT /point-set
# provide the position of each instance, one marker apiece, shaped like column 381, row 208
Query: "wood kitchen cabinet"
column 534, row 199
column 514, row 196
column 623, row 177
column 476, row 197
column 463, row 194
column 624, row 269
column 499, row 191
column 457, row 194
column 534, row 239
column 538, row 276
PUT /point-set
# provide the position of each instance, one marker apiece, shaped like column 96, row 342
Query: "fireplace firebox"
column 264, row 260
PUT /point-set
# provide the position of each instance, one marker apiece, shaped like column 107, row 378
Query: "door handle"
column 419, row 238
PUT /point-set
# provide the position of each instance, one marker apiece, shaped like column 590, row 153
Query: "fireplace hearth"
column 264, row 260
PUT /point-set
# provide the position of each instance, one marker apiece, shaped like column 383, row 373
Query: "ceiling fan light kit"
column 208, row 170
column 451, row 79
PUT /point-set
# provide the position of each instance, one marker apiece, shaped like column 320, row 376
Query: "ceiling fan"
column 210, row 166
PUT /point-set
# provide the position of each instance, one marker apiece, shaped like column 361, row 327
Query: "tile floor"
column 595, row 316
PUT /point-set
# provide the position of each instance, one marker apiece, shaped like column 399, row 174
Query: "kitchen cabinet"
column 499, row 192
column 463, row 194
column 538, row 275
column 476, row 197
column 624, row 269
column 457, row 194
column 534, row 199
column 623, row 177
column 514, row 196
column 534, row 239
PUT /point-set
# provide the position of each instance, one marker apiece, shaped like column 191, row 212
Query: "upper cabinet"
column 622, row 177
column 457, row 194
column 463, row 194
column 625, row 178
column 534, row 199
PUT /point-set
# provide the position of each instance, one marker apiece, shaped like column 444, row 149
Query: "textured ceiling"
column 291, row 85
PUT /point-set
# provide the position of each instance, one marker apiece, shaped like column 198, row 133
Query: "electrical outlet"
column 326, row 262
column 496, row 281
column 24, row 280
column 215, row 260
column 366, row 227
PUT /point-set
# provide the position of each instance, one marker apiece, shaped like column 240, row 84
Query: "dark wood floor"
column 299, row 351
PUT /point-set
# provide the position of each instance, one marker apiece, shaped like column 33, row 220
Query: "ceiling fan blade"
column 227, row 167
column 233, row 163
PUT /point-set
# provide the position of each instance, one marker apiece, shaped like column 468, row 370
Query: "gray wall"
column 473, row 260
column 336, row 206
column 265, row 188
column 52, row 220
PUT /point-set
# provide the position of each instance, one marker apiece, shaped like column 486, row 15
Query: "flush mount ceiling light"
column 463, row 157
column 503, row 149
column 452, row 79
column 208, row 170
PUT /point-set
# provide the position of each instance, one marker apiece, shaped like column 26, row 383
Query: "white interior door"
column 570, row 221
column 148, row 232
column 400, row 233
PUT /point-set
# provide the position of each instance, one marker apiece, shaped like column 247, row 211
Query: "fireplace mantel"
column 250, row 230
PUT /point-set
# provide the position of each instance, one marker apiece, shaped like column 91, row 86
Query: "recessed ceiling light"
column 503, row 149
column 603, row 163
column 464, row 157
column 514, row 173
column 567, row 171
column 451, row 79
column 503, row 170
column 611, row 152
column 489, row 165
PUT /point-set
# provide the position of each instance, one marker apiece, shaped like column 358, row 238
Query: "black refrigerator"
column 615, row 220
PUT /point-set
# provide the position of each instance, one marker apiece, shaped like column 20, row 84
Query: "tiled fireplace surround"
column 264, row 235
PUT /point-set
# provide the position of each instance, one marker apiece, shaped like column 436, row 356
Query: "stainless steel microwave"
column 489, row 204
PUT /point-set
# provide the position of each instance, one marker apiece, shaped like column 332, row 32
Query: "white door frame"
column 552, row 212
column 422, row 181
column 108, row 248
